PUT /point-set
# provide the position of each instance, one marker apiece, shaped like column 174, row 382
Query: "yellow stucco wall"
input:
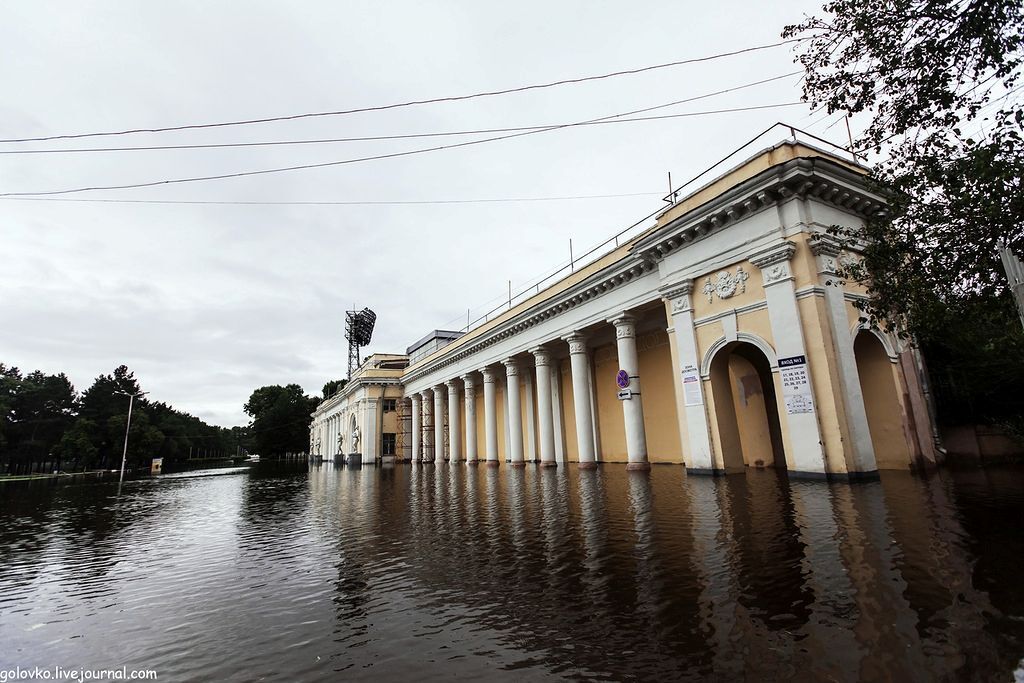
column 572, row 449
column 751, row 412
column 610, row 423
column 661, row 418
column 883, row 406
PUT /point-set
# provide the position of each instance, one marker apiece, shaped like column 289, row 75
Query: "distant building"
column 719, row 338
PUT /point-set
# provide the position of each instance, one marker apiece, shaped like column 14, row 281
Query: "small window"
column 389, row 405
column 388, row 445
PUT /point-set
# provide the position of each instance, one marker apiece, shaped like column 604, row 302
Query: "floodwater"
column 310, row 572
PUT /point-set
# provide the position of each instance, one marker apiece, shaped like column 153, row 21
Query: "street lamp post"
column 124, row 454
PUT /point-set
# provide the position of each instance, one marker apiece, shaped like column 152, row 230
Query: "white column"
column 805, row 442
column 530, row 427
column 415, row 399
column 454, row 422
column 632, row 407
column 371, row 435
column 439, row 424
column 490, row 419
column 428, row 427
column 515, row 415
column 545, row 418
column 700, row 458
column 827, row 250
column 470, row 398
column 556, row 410
column 580, row 363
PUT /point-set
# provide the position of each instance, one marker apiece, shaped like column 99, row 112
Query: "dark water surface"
column 431, row 573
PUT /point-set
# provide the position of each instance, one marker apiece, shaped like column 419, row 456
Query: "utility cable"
column 376, row 157
column 434, row 100
column 407, row 136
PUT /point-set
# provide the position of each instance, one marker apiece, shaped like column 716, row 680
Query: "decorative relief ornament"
column 624, row 332
column 726, row 284
column 577, row 347
column 679, row 305
column 776, row 272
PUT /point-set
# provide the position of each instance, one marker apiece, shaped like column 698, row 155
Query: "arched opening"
column 746, row 408
column 881, row 401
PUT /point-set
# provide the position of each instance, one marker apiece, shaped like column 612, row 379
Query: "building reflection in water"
column 511, row 574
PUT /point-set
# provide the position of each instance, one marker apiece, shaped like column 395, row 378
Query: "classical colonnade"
column 428, row 407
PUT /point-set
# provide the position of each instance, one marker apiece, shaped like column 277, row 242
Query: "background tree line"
column 46, row 425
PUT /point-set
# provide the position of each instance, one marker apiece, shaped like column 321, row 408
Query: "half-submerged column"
column 632, row 401
column 454, row 422
column 515, row 415
column 546, row 425
column 579, row 362
column 490, row 419
column 470, row 398
column 700, row 459
column 439, row 424
column 415, row 400
column 428, row 428
column 804, row 449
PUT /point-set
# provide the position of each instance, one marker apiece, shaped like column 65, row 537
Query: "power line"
column 455, row 98
column 407, row 136
column 342, row 162
column 354, row 203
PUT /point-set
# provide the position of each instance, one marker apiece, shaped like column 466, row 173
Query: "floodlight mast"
column 358, row 331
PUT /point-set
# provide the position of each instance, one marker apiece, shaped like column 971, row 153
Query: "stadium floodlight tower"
column 358, row 330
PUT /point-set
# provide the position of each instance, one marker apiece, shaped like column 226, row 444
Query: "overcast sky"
column 205, row 302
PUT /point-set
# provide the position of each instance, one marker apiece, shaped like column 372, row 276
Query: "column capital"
column 488, row 374
column 826, row 249
column 426, row 394
column 625, row 325
column 511, row 366
column 439, row 390
column 684, row 288
column 453, row 385
column 780, row 252
column 774, row 262
column 541, row 355
column 679, row 295
column 577, row 342
column 468, row 380
column 414, row 397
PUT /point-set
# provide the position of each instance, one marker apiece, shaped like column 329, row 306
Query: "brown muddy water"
column 310, row 572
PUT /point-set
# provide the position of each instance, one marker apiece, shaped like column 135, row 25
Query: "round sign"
column 622, row 379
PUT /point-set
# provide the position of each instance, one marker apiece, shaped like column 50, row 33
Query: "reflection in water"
column 440, row 571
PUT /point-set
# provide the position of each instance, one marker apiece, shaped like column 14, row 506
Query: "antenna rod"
column 572, row 264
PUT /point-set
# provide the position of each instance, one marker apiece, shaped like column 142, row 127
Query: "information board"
column 691, row 386
column 796, row 385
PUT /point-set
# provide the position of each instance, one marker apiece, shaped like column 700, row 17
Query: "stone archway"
column 881, row 401
column 746, row 407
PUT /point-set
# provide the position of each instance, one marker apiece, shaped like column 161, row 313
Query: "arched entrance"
column 881, row 401
column 746, row 408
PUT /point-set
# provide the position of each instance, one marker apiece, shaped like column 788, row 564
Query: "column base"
column 705, row 471
column 472, row 462
column 517, row 463
column 589, row 465
column 548, row 463
column 638, row 467
column 493, row 463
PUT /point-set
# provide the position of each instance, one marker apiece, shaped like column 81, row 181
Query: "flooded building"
column 719, row 338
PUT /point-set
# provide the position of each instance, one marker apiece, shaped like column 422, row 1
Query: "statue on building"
column 341, row 442
column 355, row 439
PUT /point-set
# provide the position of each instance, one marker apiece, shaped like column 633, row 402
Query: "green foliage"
column 333, row 387
column 45, row 424
column 937, row 81
column 281, row 419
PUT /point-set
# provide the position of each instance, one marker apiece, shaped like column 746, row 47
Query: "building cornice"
column 801, row 178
